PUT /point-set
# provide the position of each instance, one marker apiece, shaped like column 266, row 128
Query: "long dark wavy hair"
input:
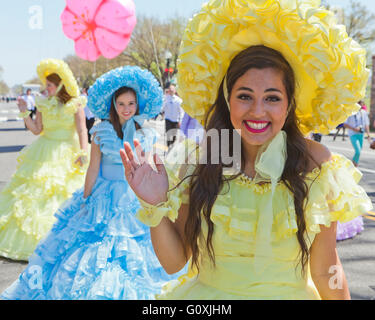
column 63, row 96
column 207, row 180
column 113, row 116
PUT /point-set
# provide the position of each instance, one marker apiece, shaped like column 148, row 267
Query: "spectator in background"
column 90, row 118
column 173, row 113
column 357, row 125
column 30, row 101
column 338, row 129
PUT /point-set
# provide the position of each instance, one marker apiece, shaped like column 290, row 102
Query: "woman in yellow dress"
column 51, row 168
column 271, row 71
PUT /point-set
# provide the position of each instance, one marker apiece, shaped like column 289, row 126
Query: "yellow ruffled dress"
column 46, row 176
column 334, row 195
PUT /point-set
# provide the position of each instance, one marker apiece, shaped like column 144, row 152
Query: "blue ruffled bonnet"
column 149, row 92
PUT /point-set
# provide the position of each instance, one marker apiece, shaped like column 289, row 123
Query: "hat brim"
column 61, row 68
column 329, row 66
column 149, row 92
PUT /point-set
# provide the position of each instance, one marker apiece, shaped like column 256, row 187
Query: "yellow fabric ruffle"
column 330, row 67
column 46, row 176
column 49, row 66
column 52, row 105
column 152, row 215
column 58, row 119
column 334, row 195
column 345, row 199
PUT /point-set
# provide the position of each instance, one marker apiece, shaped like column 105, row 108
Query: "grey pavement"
column 357, row 255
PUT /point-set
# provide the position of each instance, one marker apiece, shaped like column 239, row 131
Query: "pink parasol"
column 99, row 27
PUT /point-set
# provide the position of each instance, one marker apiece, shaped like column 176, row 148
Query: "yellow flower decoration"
column 49, row 66
column 330, row 67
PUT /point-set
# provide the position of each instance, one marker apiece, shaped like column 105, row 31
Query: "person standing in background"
column 30, row 103
column 338, row 128
column 357, row 124
column 90, row 118
column 173, row 113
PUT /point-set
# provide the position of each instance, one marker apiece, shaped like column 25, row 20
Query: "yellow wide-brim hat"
column 330, row 67
column 61, row 68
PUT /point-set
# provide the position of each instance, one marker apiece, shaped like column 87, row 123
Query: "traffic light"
column 168, row 71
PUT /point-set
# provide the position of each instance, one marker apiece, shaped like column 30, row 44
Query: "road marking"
column 368, row 217
column 6, row 119
column 366, row 170
column 348, row 149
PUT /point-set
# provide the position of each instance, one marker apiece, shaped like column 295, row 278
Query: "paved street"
column 357, row 255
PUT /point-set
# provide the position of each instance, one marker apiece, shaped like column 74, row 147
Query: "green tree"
column 4, row 89
column 151, row 40
column 360, row 23
column 34, row 80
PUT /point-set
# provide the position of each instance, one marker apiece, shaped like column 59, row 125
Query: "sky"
column 25, row 39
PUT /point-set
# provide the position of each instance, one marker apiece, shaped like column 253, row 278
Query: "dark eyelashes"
column 274, row 99
column 243, row 96
column 247, row 97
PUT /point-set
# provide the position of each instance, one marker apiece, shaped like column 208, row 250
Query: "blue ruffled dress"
column 97, row 249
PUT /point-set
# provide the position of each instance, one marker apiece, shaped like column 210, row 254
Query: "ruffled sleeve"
column 179, row 176
column 72, row 106
column 106, row 138
column 335, row 194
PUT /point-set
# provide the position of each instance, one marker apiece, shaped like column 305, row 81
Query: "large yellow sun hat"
column 60, row 67
column 330, row 67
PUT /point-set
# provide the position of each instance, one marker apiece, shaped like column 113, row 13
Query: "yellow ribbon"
column 269, row 167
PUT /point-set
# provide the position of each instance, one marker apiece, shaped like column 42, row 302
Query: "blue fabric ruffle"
column 149, row 92
column 94, row 251
column 97, row 249
column 110, row 144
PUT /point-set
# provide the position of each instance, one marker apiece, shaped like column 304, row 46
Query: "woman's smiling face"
column 126, row 106
column 51, row 88
column 258, row 105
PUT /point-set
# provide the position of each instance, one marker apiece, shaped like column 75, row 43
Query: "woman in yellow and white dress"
column 263, row 227
column 51, row 168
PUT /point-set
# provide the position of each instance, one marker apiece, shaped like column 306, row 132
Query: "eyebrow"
column 251, row 90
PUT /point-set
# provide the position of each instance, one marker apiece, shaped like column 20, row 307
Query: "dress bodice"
column 58, row 119
column 110, row 145
column 334, row 194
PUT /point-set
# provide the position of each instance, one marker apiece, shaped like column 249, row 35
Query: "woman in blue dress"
column 97, row 249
